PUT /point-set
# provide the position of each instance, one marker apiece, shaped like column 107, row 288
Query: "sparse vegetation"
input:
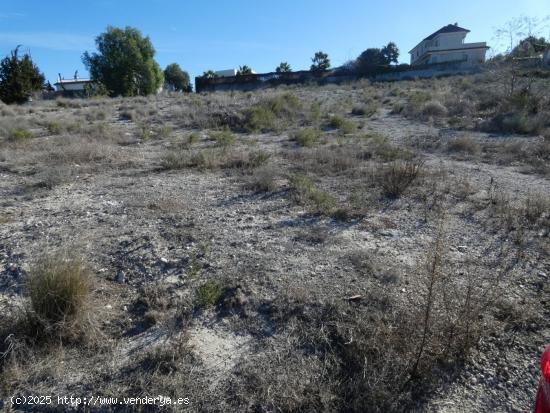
column 210, row 294
column 308, row 136
column 397, row 176
column 18, row 134
column 278, row 250
column 59, row 290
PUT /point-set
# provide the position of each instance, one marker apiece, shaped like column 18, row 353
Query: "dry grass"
column 328, row 296
column 59, row 291
column 398, row 176
column 464, row 144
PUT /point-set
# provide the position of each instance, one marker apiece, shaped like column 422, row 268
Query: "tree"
column 244, row 70
column 283, row 67
column 19, row 77
column 390, row 53
column 210, row 74
column 124, row 63
column 520, row 27
column 320, row 62
column 370, row 61
column 530, row 46
column 177, row 79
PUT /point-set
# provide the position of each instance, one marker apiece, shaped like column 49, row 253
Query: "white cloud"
column 48, row 40
column 10, row 15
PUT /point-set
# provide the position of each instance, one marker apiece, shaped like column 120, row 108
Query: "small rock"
column 462, row 248
column 120, row 277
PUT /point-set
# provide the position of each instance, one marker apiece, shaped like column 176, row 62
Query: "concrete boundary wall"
column 247, row 83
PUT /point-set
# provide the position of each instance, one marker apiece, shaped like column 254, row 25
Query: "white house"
column 73, row 85
column 226, row 73
column 229, row 72
column 447, row 45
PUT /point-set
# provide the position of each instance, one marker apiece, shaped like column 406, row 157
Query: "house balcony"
column 460, row 46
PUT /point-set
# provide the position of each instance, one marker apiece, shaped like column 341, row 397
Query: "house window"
column 437, row 43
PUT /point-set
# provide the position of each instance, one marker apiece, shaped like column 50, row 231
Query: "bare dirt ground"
column 294, row 267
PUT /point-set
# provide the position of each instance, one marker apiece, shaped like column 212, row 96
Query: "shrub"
column 535, row 207
column 272, row 114
column 59, row 289
column 433, row 109
column 307, row 136
column 223, row 138
column 164, row 132
column 18, row 134
column 516, row 122
column 193, row 138
column 464, row 144
column 210, row 294
column 396, row 177
column 213, row 158
column 54, row 127
column 261, row 119
column 306, row 193
column 263, row 180
column 365, row 110
column 342, row 124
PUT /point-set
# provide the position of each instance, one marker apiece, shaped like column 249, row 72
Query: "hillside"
column 362, row 247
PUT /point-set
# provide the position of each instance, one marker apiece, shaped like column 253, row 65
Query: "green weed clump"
column 308, row 136
column 272, row 114
column 210, row 294
column 19, row 134
column 306, row 193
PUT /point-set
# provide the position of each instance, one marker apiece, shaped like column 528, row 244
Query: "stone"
column 120, row 277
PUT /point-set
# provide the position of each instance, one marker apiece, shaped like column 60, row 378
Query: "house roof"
column 450, row 28
column 65, row 81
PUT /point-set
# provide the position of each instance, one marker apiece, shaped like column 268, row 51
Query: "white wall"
column 70, row 86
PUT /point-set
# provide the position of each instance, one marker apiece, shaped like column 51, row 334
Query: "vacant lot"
column 314, row 249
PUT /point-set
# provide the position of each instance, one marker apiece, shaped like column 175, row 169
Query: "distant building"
column 71, row 86
column 226, row 73
column 546, row 57
column 447, row 45
column 229, row 73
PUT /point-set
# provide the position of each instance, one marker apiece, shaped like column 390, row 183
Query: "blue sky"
column 201, row 35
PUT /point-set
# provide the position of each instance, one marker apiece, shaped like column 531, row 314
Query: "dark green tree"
column 177, row 79
column 244, row 70
column 210, row 74
column 19, row 77
column 390, row 53
column 370, row 61
column 124, row 63
column 283, row 67
column 530, row 46
column 320, row 62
